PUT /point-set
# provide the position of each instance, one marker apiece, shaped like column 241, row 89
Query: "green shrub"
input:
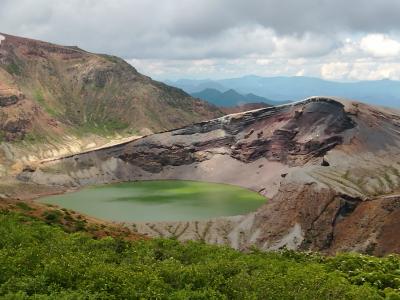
column 24, row 206
column 52, row 216
column 40, row 261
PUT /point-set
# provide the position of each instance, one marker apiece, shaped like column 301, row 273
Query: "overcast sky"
column 332, row 39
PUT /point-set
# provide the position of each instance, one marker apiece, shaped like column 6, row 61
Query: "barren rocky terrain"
column 329, row 169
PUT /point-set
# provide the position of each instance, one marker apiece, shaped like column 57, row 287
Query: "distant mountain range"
column 379, row 92
column 230, row 98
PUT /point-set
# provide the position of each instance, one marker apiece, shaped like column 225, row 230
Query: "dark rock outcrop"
column 8, row 100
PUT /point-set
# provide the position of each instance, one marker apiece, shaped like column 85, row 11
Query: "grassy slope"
column 42, row 261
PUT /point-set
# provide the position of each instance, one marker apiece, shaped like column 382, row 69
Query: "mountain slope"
column 80, row 88
column 379, row 92
column 50, row 92
column 329, row 168
column 228, row 98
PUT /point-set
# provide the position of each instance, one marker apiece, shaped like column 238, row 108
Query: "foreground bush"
column 40, row 261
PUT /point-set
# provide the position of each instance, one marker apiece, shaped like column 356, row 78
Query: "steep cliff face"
column 329, row 168
column 58, row 96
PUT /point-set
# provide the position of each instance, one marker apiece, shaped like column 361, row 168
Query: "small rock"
column 325, row 163
column 29, row 169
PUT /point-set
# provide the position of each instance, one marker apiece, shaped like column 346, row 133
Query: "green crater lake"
column 164, row 200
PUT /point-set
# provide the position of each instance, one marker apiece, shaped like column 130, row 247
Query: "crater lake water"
column 164, row 200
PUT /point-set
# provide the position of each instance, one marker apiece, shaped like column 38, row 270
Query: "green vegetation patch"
column 39, row 97
column 52, row 216
column 24, row 206
column 103, row 128
column 13, row 69
column 34, row 137
column 40, row 261
column 2, row 135
column 114, row 124
column 111, row 58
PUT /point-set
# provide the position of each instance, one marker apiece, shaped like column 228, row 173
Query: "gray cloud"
column 293, row 16
column 207, row 17
column 197, row 30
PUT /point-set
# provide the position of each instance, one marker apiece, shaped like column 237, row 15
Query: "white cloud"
column 263, row 61
column 374, row 71
column 335, row 70
column 380, row 45
column 361, row 69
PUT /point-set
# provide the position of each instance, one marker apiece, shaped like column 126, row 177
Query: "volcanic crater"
column 329, row 169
